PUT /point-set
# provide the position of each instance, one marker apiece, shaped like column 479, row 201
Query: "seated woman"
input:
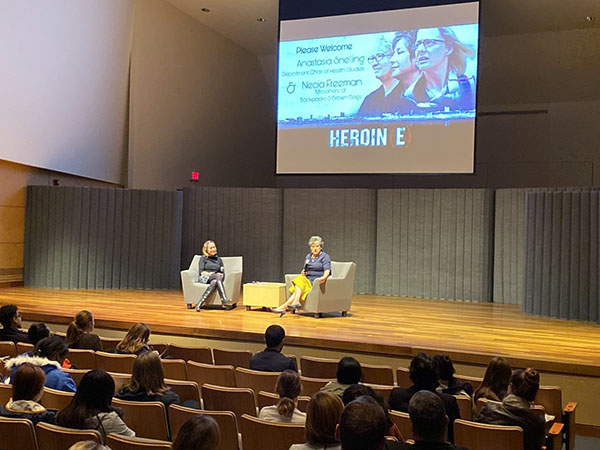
column 148, row 382
column 322, row 418
column 495, row 381
column 448, row 383
column 49, row 354
column 317, row 266
column 199, row 432
column 79, row 333
column 212, row 272
column 91, row 406
column 288, row 387
column 27, row 391
column 515, row 409
column 349, row 372
column 135, row 341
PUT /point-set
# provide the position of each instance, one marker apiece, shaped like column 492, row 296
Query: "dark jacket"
column 13, row 335
column 167, row 398
column 88, row 341
column 210, row 264
column 271, row 360
column 516, row 411
column 28, row 409
column 400, row 397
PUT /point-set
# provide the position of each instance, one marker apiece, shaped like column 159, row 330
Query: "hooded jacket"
column 55, row 377
column 27, row 409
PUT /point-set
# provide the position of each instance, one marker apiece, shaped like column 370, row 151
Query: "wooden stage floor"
column 391, row 326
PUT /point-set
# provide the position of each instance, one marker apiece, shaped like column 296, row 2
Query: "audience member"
column 362, row 425
column 49, row 354
column 515, row 409
column 448, row 384
column 79, row 333
column 429, row 423
column 271, row 359
column 148, row 382
column 322, row 418
column 91, row 406
column 288, row 387
column 199, row 432
column 10, row 318
column 27, row 391
column 88, row 445
column 495, row 381
column 37, row 332
column 348, row 372
column 424, row 378
column 135, row 341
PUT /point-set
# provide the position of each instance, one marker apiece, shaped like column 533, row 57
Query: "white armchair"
column 333, row 295
column 193, row 290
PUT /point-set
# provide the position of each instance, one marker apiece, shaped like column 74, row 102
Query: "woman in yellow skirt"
column 317, row 266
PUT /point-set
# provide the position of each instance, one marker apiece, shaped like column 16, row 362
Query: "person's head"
column 53, row 348
column 316, row 244
column 94, row 395
column 403, row 57
column 10, row 316
column 209, row 248
column 88, row 445
column 422, row 372
column 148, row 375
column 83, row 322
column 136, row 338
column 363, row 424
column 436, row 47
column 525, row 383
column 288, row 387
column 358, row 390
column 380, row 60
column 28, row 383
column 444, row 367
column 37, row 332
column 199, row 432
column 349, row 371
column 497, row 376
column 428, row 417
column 274, row 336
column 322, row 417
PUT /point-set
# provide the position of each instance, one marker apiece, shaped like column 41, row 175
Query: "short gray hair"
column 318, row 239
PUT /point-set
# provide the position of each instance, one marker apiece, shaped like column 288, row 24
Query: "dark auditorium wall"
column 435, row 243
column 95, row 238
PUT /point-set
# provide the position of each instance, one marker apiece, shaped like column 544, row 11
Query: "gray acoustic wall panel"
column 561, row 268
column 435, row 243
column 102, row 238
column 344, row 218
column 241, row 221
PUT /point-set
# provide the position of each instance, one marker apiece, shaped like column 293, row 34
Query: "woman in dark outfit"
column 317, row 266
column 212, row 272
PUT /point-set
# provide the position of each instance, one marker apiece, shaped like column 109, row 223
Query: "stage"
column 377, row 325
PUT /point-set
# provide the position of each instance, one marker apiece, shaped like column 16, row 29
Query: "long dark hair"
column 53, row 348
column 199, row 432
column 147, row 374
column 496, row 379
column 93, row 396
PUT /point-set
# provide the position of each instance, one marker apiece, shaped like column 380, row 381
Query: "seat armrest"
column 190, row 274
column 554, row 438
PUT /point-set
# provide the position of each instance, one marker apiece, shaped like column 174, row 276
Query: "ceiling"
column 237, row 19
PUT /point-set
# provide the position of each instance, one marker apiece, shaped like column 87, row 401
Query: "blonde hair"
column 135, row 339
column 205, row 247
column 288, row 387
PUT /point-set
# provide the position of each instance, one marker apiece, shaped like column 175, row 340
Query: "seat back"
column 465, row 406
column 7, row 348
column 225, row 419
column 475, row 381
column 174, row 369
column 117, row 442
column 82, row 359
column 111, row 362
column 319, row 367
column 270, row 399
column 53, row 437
column 109, row 343
column 237, row 400
column 480, row 436
column 187, row 390
column 377, row 374
column 235, row 358
column 24, row 347
column 384, row 390
column 254, row 379
column 53, row 399
column 403, row 377
column 17, row 434
column 259, row 434
column 5, row 394
column 402, row 421
column 550, row 397
column 76, row 374
column 147, row 419
column 120, row 379
column 209, row 374
column 197, row 354
column 159, row 347
column 311, row 386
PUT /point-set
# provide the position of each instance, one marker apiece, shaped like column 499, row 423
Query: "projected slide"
column 382, row 92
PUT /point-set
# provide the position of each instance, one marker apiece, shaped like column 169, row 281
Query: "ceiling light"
column 205, row 10
column 590, row 18
column 260, row 19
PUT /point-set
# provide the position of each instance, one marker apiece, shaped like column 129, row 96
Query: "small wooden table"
column 264, row 294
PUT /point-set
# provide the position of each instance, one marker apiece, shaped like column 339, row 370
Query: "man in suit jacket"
column 271, row 359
